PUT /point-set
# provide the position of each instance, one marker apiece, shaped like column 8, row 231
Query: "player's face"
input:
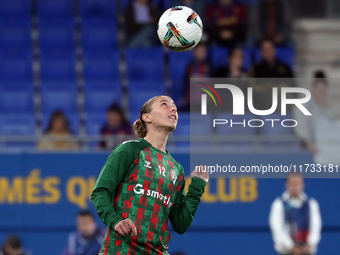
column 295, row 186
column 163, row 114
column 86, row 225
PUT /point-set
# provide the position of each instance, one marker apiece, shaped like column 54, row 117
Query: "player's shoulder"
column 178, row 165
column 131, row 146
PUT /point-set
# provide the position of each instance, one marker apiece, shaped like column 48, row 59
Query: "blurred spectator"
column 270, row 66
column 199, row 6
column 319, row 133
column 295, row 219
column 141, row 23
column 12, row 246
column 271, row 19
column 234, row 69
column 58, row 135
column 116, row 124
column 226, row 22
column 88, row 238
column 199, row 67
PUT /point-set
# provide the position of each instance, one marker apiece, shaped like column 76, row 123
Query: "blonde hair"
column 139, row 125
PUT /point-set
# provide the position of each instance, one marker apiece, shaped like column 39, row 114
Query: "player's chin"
column 172, row 127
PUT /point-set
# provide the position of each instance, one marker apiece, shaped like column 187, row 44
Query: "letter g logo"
column 139, row 190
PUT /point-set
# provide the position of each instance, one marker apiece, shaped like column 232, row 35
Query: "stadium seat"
column 16, row 97
column 145, row 64
column 94, row 122
column 98, row 8
column 73, row 120
column 98, row 33
column 53, row 8
column 58, row 96
column 56, row 34
column 103, row 65
column 146, row 90
column 238, row 130
column 15, row 34
column 16, row 65
column 17, row 124
column 58, row 65
column 200, row 127
column 178, row 63
column 220, row 57
column 99, row 95
column 15, row 8
column 285, row 54
column 272, row 134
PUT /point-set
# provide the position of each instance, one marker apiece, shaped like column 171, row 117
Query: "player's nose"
column 173, row 108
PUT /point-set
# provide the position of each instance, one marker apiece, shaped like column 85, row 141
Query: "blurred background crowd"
column 75, row 73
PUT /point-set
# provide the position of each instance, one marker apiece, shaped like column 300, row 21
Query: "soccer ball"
column 180, row 28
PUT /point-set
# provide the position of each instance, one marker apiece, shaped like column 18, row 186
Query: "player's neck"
column 158, row 140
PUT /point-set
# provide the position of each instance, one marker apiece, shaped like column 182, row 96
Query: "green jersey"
column 146, row 185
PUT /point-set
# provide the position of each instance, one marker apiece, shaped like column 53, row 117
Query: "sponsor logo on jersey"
column 138, row 189
column 147, row 164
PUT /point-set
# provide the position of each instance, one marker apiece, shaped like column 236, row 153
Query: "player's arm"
column 185, row 205
column 111, row 175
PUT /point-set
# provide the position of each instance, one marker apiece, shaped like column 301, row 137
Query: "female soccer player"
column 141, row 187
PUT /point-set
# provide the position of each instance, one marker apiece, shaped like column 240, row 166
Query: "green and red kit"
column 146, row 185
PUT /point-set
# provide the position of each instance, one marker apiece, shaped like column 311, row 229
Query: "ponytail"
column 139, row 125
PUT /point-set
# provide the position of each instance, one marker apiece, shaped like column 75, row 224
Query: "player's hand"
column 201, row 172
column 126, row 228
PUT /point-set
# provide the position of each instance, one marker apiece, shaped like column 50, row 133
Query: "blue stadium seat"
column 58, row 96
column 15, row 34
column 220, row 57
column 103, row 65
column 94, row 122
column 98, row 33
column 17, row 124
column 236, row 130
column 278, row 131
column 16, row 65
column 16, row 97
column 145, row 64
column 201, row 126
column 285, row 54
column 99, row 95
column 146, row 90
column 15, row 8
column 53, row 8
column 58, row 65
column 158, row 3
column 178, row 63
column 56, row 34
column 98, row 8
column 73, row 120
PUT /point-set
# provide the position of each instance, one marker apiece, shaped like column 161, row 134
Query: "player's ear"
column 146, row 117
